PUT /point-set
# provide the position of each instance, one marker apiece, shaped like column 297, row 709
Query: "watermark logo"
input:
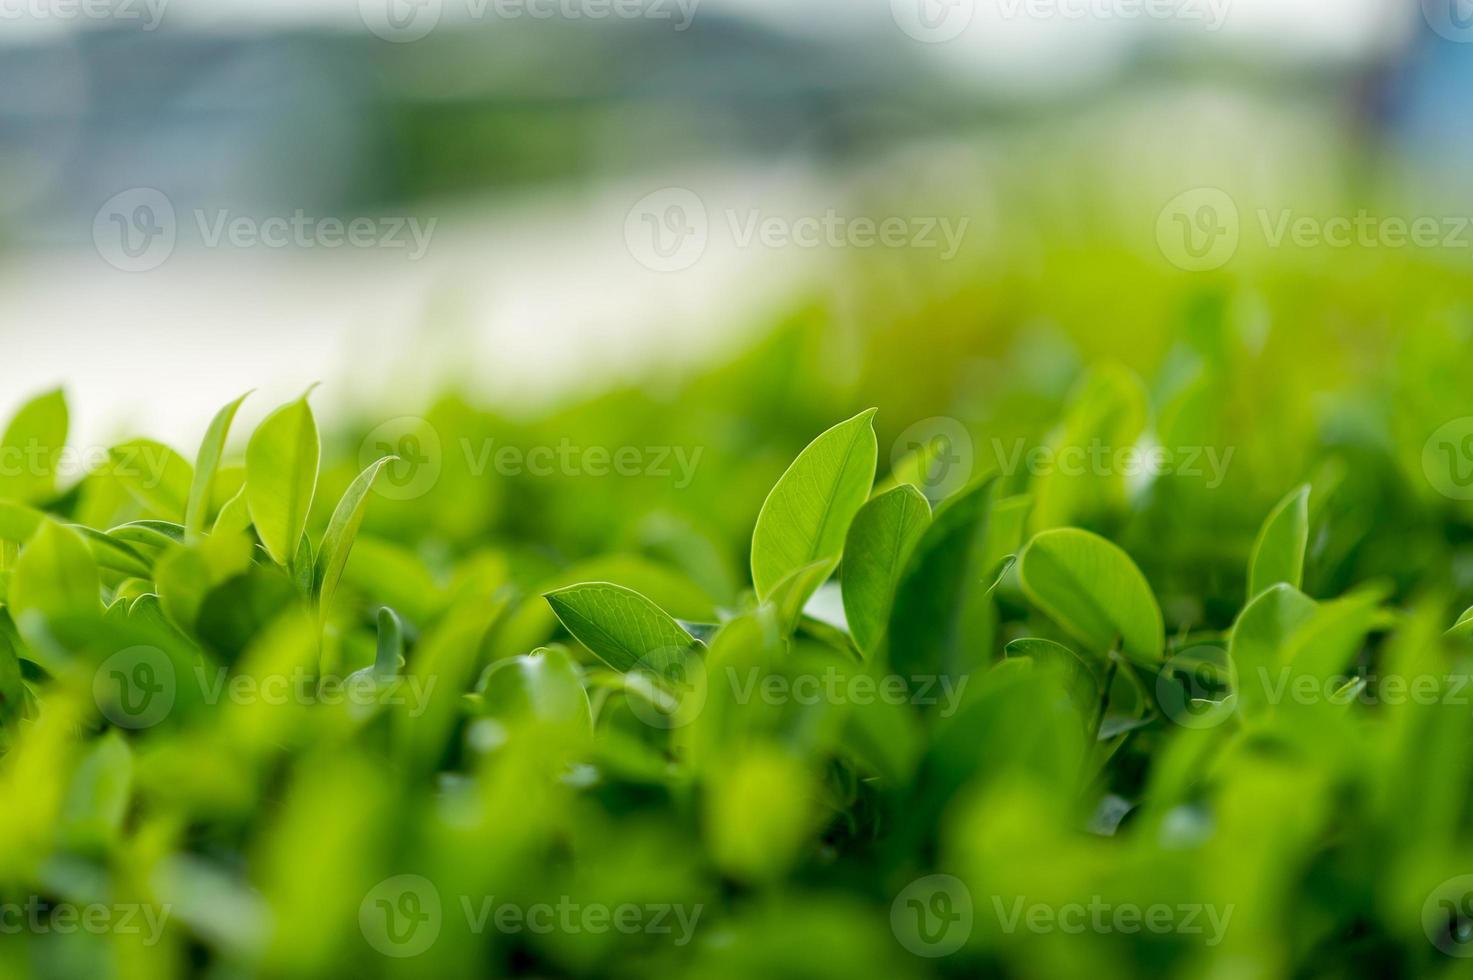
column 932, row 916
column 668, row 688
column 668, row 230
column 135, row 688
column 401, row 916
column 358, row 690
column 933, row 21
column 421, row 457
column 1452, row 19
column 1196, row 687
column 417, row 444
column 671, row 229
column 400, row 21
column 116, row 12
column 135, row 230
column 1199, row 230
column 1447, row 916
column 945, row 448
column 1447, row 459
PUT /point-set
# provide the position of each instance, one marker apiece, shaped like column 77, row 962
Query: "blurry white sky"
column 1004, row 42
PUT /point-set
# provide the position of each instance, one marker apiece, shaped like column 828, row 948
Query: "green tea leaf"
column 31, row 448
column 206, row 465
column 18, row 522
column 114, row 554
column 1092, row 589
column 940, row 613
column 622, row 628
column 1463, row 627
column 1079, row 679
column 234, row 517
column 545, row 686
column 880, row 541
column 282, row 459
column 807, row 514
column 342, row 531
column 185, row 574
column 55, row 575
column 389, row 650
column 150, row 534
column 1278, row 552
column 1327, row 642
column 154, row 475
column 790, row 595
column 303, row 567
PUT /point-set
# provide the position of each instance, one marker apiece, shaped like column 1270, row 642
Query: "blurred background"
column 1235, row 231
column 724, row 224
column 177, row 177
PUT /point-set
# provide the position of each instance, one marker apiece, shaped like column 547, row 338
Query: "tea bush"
column 1154, row 678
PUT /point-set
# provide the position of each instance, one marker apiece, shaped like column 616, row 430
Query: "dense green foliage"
column 649, row 673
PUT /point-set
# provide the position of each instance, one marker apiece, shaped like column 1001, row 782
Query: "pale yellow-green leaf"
column 282, row 460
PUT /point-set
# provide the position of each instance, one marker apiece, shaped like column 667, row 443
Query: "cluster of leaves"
column 1003, row 695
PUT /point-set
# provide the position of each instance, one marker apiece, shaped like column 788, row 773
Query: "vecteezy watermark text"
column 138, row 229
column 143, row 463
column 402, row 21
column 934, row 916
column 1126, row 918
column 137, row 688
column 422, row 458
column 939, row 21
column 1100, row 459
column 146, row 13
column 38, row 916
column 833, row 686
column 670, row 229
column 1202, row 229
column 402, row 916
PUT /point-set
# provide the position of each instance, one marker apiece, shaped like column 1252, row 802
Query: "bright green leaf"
column 282, row 459
column 940, row 618
column 206, row 465
column 1278, row 551
column 1092, row 589
column 154, row 475
column 31, row 448
column 880, row 541
column 622, row 628
column 807, row 514
column 790, row 595
column 545, row 686
column 342, row 531
column 55, row 575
